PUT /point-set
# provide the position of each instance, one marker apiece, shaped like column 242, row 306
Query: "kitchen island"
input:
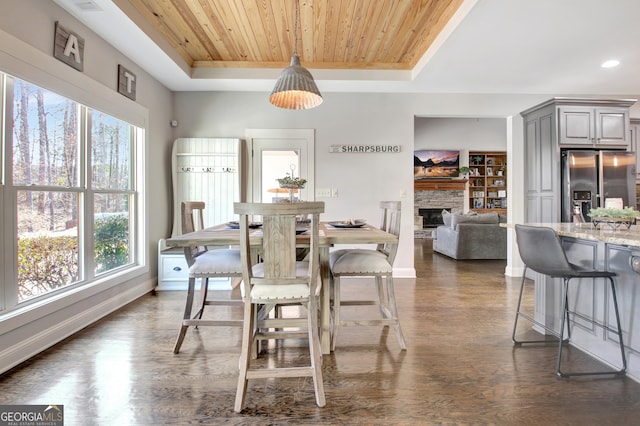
column 611, row 248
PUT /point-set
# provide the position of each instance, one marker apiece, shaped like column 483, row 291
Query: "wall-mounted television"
column 430, row 163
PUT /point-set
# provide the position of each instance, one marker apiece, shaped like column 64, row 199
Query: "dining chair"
column 279, row 279
column 541, row 251
column 376, row 263
column 205, row 264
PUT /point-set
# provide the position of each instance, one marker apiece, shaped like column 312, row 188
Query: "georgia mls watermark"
column 31, row 415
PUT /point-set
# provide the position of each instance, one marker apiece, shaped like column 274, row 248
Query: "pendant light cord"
column 295, row 29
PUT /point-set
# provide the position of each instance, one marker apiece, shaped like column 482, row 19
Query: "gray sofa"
column 471, row 236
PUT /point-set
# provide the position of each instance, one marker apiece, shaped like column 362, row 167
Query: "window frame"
column 89, row 282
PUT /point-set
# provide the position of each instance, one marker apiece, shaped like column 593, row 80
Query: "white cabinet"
column 173, row 271
column 209, row 170
column 204, row 169
column 593, row 126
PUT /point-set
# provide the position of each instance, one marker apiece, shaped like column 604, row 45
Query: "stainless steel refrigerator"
column 592, row 178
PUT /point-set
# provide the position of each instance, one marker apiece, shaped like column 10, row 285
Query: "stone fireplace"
column 434, row 198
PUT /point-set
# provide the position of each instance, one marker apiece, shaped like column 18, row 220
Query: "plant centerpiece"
column 292, row 184
column 613, row 216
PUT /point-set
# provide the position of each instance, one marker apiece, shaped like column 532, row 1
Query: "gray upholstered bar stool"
column 541, row 251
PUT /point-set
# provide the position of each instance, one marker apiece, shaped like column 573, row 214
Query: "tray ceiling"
column 333, row 34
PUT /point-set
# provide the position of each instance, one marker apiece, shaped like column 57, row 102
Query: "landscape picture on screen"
column 436, row 164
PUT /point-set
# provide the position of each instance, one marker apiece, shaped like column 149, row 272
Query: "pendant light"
column 295, row 88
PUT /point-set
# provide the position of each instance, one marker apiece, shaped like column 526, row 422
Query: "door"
column 618, row 177
column 579, row 183
column 612, row 127
column 274, row 153
column 576, row 126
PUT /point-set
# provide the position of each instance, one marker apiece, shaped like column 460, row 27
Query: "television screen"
column 436, row 164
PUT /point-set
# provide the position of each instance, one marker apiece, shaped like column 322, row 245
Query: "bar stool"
column 541, row 251
column 204, row 264
column 279, row 279
column 376, row 263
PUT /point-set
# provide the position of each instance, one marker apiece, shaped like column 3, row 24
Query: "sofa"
column 471, row 236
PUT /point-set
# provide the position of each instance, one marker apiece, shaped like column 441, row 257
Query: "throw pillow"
column 446, row 218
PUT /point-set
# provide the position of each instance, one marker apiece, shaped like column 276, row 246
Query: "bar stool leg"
column 619, row 325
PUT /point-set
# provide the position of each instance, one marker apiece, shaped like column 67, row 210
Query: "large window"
column 68, row 174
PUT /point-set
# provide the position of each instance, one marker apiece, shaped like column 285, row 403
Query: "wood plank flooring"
column 460, row 366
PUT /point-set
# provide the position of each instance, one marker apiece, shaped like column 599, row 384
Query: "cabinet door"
column 576, row 126
column 634, row 130
column 612, row 126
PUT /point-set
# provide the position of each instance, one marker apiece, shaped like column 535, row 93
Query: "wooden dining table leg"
column 325, row 301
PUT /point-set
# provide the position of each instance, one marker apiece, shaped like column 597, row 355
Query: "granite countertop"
column 606, row 233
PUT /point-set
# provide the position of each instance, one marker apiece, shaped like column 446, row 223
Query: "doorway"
column 274, row 153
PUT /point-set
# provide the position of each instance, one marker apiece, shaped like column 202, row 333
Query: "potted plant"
column 464, row 171
column 476, row 159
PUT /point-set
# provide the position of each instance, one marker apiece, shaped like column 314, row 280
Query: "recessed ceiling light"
column 610, row 63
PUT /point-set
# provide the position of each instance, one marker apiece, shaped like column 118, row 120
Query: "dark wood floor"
column 460, row 368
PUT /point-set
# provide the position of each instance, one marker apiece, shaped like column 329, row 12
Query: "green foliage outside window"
column 46, row 263
column 111, row 242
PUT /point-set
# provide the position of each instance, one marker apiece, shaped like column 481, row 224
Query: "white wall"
column 461, row 133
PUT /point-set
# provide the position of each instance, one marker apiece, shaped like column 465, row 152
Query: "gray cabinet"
column 634, row 132
column 593, row 126
column 566, row 123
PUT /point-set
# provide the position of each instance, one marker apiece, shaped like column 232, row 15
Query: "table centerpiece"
column 613, row 217
column 292, row 184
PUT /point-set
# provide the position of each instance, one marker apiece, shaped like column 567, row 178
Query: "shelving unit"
column 488, row 181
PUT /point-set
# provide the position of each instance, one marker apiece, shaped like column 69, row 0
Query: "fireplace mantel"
column 439, row 184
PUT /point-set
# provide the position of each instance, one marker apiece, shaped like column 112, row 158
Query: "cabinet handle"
column 177, row 268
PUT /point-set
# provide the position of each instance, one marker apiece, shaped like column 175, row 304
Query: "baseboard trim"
column 33, row 345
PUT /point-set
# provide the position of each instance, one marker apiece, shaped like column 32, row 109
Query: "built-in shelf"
column 488, row 181
column 439, row 184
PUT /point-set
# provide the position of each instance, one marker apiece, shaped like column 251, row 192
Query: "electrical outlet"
column 334, row 193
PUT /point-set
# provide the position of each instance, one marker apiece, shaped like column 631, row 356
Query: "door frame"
column 302, row 140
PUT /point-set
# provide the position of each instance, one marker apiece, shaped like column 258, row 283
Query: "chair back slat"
column 390, row 222
column 192, row 217
column 279, row 246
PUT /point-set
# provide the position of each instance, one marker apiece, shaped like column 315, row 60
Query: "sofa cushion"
column 486, row 218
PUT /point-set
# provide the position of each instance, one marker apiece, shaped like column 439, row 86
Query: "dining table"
column 330, row 234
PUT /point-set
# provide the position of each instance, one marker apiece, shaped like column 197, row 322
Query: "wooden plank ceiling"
column 333, row 34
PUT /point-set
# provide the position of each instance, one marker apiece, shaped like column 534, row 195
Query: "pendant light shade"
column 295, row 88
